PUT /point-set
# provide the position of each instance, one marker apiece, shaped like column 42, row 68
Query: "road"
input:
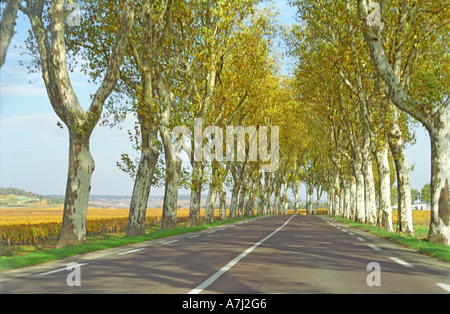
column 271, row 254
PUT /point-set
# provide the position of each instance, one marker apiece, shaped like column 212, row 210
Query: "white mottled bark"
column 353, row 199
column 7, row 27
column 360, row 214
column 142, row 183
column 81, row 166
column 440, row 179
column 385, row 212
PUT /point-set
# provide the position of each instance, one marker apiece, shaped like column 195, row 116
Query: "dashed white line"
column 401, row 262
column 444, row 286
column 235, row 260
column 170, row 242
column 131, row 251
column 194, row 236
column 351, row 233
column 57, row 270
column 361, row 239
column 374, row 247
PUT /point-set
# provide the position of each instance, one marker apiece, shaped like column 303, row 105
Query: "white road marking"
column 56, row 270
column 401, row 262
column 233, row 262
column 212, row 231
column 170, row 242
column 374, row 247
column 194, row 236
column 131, row 251
column 351, row 233
column 361, row 239
column 444, row 286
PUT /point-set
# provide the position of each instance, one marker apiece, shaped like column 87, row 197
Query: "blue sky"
column 34, row 150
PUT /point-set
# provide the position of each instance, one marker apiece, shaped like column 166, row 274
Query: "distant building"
column 417, row 205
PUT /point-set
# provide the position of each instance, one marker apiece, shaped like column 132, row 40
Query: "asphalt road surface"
column 271, row 254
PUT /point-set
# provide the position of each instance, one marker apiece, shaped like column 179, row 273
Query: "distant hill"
column 16, row 191
column 14, row 197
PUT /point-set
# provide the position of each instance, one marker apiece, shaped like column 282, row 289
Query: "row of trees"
column 167, row 63
column 339, row 117
column 366, row 73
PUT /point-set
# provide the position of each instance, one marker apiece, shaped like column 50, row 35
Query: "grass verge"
column 44, row 254
column 417, row 242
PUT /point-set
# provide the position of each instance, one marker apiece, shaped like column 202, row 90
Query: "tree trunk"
column 353, row 200
column 309, row 198
column 369, row 188
column 295, row 191
column 81, row 166
column 241, row 203
column 210, row 204
column 440, row 179
column 402, row 170
column 330, row 196
column 234, row 201
column 276, row 201
column 385, row 212
column 173, row 168
column 7, row 27
column 222, row 203
column 196, row 194
column 346, row 213
column 143, row 182
column 360, row 214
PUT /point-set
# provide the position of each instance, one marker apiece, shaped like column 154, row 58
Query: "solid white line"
column 131, row 251
column 374, row 247
column 57, row 270
column 361, row 239
column 444, row 286
column 401, row 262
column 170, row 242
column 233, row 262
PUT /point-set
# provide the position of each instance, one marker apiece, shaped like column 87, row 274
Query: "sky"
column 34, row 150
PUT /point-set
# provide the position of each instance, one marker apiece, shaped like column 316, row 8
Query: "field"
column 30, row 226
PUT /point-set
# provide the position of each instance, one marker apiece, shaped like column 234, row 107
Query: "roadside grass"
column 417, row 242
column 22, row 256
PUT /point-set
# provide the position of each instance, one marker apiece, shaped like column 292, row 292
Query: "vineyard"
column 20, row 226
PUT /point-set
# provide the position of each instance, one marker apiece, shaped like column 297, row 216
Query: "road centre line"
column 374, row 247
column 131, row 251
column 361, row 239
column 444, row 286
column 57, row 270
column 170, row 242
column 401, row 262
column 233, row 262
